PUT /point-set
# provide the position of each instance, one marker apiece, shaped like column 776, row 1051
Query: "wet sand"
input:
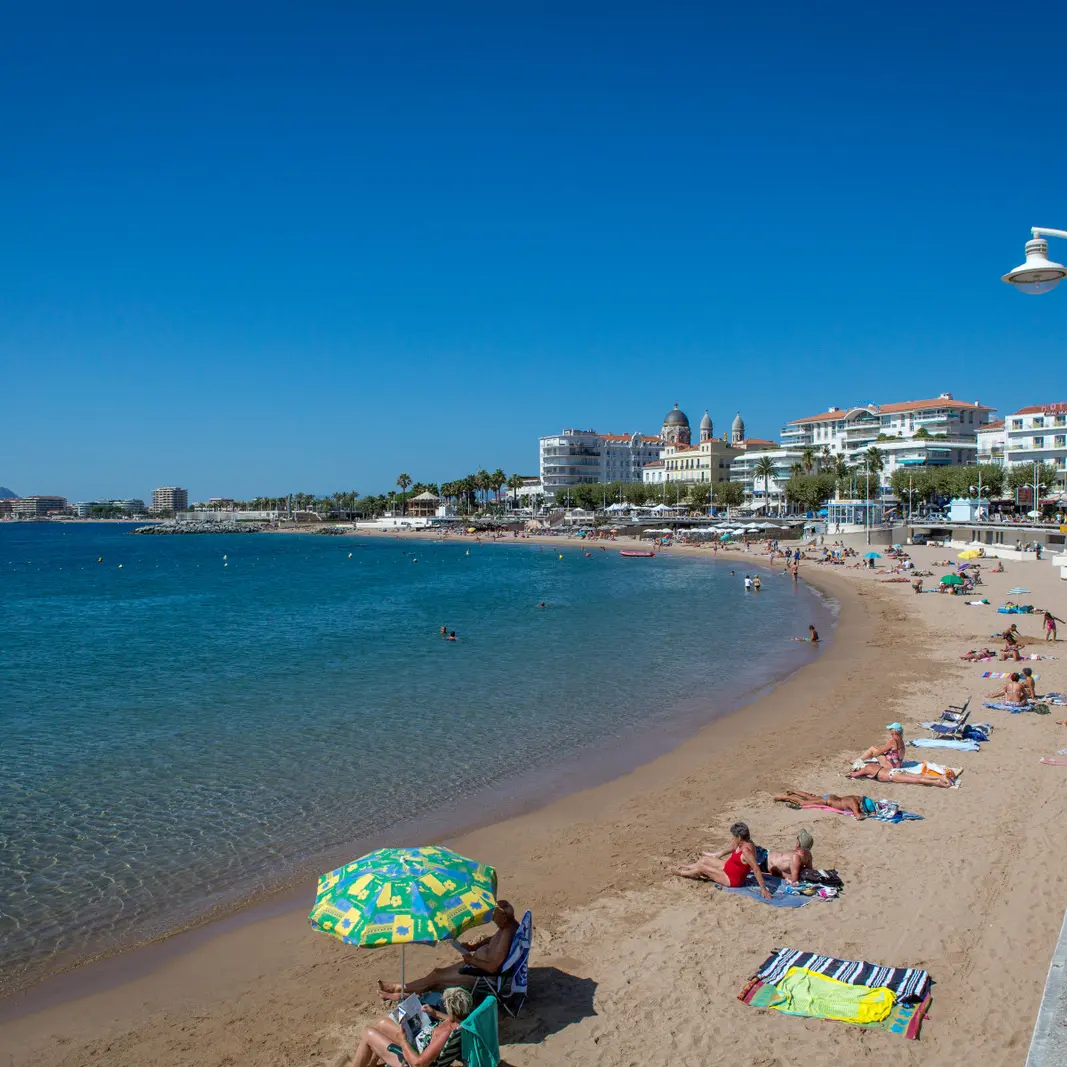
column 631, row 965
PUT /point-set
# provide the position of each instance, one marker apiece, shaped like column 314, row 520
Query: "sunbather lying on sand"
column 851, row 803
column 977, row 655
column 895, row 774
column 484, row 957
column 740, row 859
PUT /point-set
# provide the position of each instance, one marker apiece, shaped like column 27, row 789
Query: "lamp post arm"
column 1042, row 231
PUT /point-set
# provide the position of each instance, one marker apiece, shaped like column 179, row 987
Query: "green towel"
column 481, row 1040
column 821, row 997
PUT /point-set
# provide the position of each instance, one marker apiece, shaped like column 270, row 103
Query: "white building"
column 915, row 433
column 84, row 508
column 584, row 457
column 1038, row 434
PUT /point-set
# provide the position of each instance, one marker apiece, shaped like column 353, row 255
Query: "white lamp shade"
column 1038, row 274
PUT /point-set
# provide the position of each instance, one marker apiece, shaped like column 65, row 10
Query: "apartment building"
column 170, row 498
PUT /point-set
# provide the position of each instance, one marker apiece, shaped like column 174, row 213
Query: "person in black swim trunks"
column 484, row 957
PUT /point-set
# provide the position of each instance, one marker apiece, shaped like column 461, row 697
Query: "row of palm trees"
column 816, row 461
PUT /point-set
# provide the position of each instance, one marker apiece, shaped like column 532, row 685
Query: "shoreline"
column 578, row 772
column 631, row 965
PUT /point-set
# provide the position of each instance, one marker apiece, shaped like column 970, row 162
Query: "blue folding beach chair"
column 510, row 985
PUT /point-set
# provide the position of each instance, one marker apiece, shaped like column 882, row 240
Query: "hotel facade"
column 1033, row 434
column 938, row 432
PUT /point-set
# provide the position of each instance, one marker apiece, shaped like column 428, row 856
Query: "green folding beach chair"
column 480, row 1036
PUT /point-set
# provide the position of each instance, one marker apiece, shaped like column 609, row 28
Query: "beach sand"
column 633, row 966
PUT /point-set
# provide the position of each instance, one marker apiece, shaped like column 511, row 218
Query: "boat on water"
column 631, row 552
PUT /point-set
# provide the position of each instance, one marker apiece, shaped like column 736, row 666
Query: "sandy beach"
column 631, row 965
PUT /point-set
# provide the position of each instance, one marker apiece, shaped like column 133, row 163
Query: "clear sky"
column 260, row 248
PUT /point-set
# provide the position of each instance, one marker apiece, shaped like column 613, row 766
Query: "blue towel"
column 999, row 705
column 944, row 742
column 780, row 897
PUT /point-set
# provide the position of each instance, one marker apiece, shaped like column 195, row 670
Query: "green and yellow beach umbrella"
column 400, row 896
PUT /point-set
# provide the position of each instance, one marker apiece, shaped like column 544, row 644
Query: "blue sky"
column 269, row 248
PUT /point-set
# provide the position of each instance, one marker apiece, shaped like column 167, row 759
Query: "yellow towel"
column 808, row 993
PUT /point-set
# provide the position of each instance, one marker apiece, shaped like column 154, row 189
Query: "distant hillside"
column 6, row 494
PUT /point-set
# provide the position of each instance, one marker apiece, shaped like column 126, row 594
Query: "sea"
column 189, row 722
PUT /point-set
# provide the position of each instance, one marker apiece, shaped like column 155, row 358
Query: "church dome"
column 738, row 424
column 705, row 422
column 675, row 418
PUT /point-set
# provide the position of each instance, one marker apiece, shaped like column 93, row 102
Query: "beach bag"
column 820, row 877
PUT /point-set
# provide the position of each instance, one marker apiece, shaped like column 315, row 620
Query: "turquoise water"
column 222, row 712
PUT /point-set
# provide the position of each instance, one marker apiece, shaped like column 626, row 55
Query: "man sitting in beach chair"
column 481, row 959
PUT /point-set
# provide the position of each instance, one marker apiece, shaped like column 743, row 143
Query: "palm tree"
column 764, row 469
column 796, row 469
column 873, row 459
column 497, row 481
column 841, row 467
column 404, row 480
column 515, row 483
column 482, row 482
column 808, row 459
column 826, row 457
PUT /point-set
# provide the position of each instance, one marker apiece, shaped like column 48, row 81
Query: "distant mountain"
column 6, row 494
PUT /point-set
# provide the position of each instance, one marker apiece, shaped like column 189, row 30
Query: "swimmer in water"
column 542, row 604
column 444, row 631
column 452, row 636
column 813, row 636
column 756, row 583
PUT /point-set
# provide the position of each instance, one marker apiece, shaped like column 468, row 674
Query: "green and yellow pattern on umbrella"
column 397, row 896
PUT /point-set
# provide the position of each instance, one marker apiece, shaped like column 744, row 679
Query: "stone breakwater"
column 199, row 528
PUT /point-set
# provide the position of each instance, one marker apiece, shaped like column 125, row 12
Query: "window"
column 1061, row 440
column 1039, row 422
column 1039, row 442
column 1016, row 424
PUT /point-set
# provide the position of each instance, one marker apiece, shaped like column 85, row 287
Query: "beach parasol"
column 952, row 579
column 873, row 555
column 400, row 896
column 969, row 553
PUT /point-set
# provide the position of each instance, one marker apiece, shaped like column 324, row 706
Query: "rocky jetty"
column 199, row 528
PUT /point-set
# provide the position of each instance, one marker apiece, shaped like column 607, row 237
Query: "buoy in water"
column 225, row 557
column 99, row 559
column 561, row 555
column 349, row 555
column 120, row 566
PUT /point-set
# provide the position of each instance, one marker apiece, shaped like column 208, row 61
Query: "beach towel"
column 1003, row 705
column 905, row 1019
column 480, row 1038
column 944, row 742
column 907, row 983
column 781, row 897
column 884, row 812
column 817, row 996
column 1053, row 762
column 1003, row 674
column 931, row 769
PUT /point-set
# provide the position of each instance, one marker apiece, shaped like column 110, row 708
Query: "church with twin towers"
column 708, row 460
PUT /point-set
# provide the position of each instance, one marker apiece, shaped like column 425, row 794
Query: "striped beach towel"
column 908, row 983
column 1004, row 674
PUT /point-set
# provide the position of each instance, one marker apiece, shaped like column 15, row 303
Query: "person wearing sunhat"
column 788, row 865
column 889, row 754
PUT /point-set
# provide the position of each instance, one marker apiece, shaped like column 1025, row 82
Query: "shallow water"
column 223, row 710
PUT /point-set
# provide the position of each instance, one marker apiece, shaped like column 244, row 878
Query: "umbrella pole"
column 402, row 994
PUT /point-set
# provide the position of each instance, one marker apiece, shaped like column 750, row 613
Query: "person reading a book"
column 482, row 958
column 386, row 1043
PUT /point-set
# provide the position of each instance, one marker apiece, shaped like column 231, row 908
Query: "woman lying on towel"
column 857, row 805
column 740, row 859
column 895, row 774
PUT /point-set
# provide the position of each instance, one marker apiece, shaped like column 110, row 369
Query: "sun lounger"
column 510, row 985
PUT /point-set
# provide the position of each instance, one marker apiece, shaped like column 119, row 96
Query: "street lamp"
column 1038, row 274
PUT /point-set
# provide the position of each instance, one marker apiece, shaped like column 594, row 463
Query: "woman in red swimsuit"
column 740, row 859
